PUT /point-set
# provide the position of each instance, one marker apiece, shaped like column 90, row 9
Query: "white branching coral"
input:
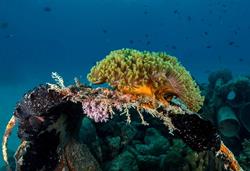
column 59, row 80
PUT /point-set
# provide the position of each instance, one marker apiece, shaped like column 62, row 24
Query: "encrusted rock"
column 78, row 157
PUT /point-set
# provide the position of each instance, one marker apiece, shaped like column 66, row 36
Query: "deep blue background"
column 205, row 35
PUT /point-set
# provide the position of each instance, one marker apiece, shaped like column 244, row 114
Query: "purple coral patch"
column 96, row 110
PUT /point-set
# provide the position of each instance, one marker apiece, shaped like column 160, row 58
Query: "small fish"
column 131, row 41
column 176, row 11
column 145, row 12
column 205, row 33
column 8, row 36
column 47, row 9
column 208, row 46
column 148, row 43
column 231, row 43
column 104, row 31
column 173, row 47
column 189, row 18
column 224, row 5
column 4, row 24
column 241, row 59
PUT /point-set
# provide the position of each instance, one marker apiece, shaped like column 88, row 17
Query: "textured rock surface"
column 79, row 158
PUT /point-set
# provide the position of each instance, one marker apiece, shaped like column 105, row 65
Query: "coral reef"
column 136, row 147
column 149, row 103
column 58, row 117
column 147, row 73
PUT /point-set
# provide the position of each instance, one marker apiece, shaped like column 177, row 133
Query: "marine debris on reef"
column 145, row 85
column 227, row 105
column 227, row 99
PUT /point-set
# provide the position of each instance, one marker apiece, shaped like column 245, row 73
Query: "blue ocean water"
column 38, row 37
